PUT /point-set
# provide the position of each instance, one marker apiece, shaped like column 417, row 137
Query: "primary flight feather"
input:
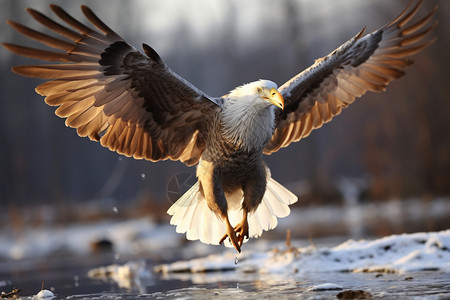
column 132, row 103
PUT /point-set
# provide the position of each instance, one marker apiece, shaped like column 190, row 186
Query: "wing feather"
column 68, row 107
column 132, row 103
column 364, row 63
column 89, row 129
column 80, row 27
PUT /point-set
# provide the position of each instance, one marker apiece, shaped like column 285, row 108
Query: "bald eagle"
column 132, row 103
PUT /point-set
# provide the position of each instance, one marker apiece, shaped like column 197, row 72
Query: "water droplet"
column 116, row 256
column 143, row 176
column 236, row 260
column 115, row 210
column 119, row 158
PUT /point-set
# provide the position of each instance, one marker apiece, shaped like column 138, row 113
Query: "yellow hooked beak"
column 275, row 98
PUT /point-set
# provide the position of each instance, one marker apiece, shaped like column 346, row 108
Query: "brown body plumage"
column 134, row 104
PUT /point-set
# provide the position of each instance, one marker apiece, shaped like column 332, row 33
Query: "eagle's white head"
column 248, row 116
column 262, row 92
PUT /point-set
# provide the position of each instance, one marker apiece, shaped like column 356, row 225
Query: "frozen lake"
column 69, row 280
column 131, row 277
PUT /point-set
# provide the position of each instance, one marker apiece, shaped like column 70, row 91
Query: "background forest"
column 391, row 145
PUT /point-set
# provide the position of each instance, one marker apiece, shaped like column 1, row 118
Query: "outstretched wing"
column 369, row 63
column 110, row 92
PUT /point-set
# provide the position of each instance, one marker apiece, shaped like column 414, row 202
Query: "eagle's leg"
column 238, row 233
column 254, row 190
column 242, row 229
column 231, row 233
column 211, row 187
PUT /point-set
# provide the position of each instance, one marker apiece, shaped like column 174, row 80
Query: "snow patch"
column 45, row 294
column 126, row 276
column 392, row 254
column 325, row 287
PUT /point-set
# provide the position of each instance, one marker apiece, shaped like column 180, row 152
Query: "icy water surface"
column 67, row 278
column 265, row 269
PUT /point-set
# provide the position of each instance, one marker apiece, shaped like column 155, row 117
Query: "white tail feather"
column 191, row 214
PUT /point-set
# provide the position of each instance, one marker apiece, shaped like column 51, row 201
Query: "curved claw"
column 237, row 234
column 242, row 232
column 233, row 238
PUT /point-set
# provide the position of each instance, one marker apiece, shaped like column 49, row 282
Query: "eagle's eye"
column 259, row 90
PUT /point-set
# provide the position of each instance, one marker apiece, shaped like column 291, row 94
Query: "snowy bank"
column 127, row 237
column 392, row 254
column 127, row 276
